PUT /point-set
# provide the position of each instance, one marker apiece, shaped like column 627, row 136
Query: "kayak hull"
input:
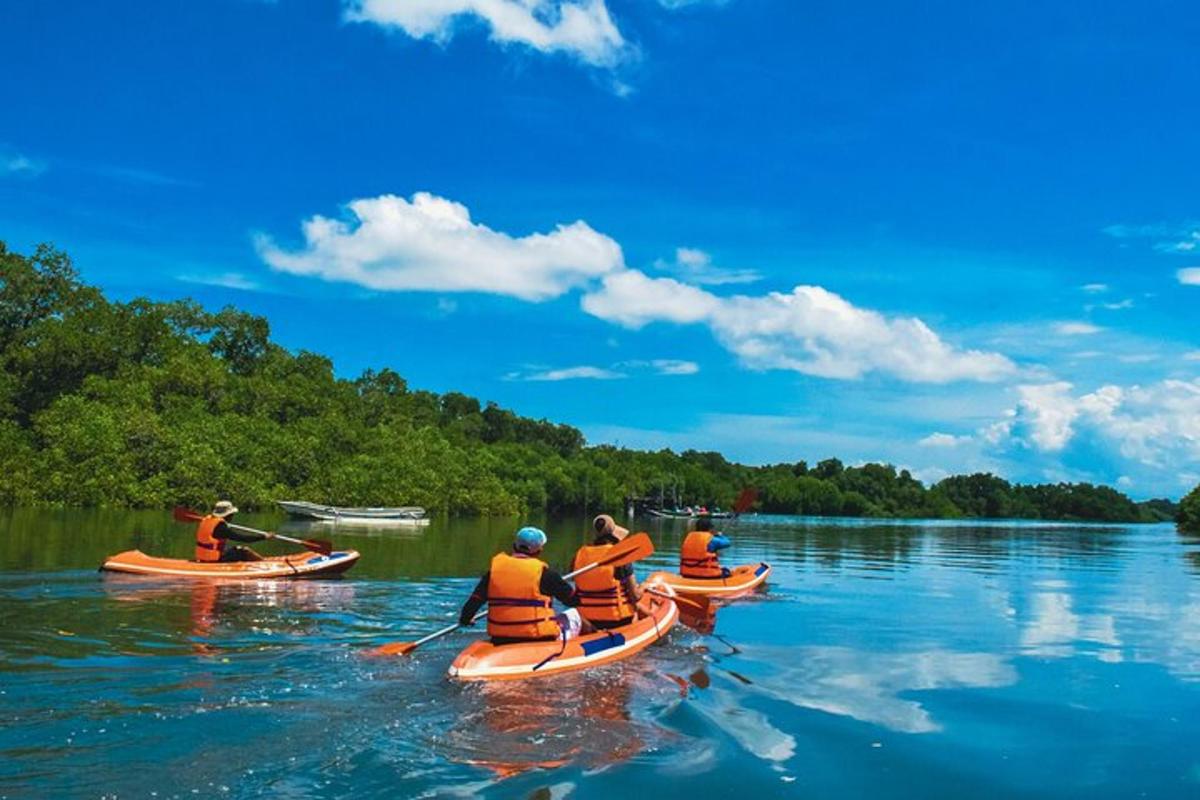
column 484, row 661
column 742, row 581
column 295, row 565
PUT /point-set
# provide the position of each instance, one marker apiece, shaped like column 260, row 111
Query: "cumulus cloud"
column 583, row 29
column 1155, row 426
column 1076, row 328
column 696, row 266
column 430, row 243
column 946, row 440
column 1189, row 276
column 809, row 330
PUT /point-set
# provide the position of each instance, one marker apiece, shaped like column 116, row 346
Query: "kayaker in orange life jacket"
column 607, row 596
column 519, row 590
column 213, row 535
column 698, row 556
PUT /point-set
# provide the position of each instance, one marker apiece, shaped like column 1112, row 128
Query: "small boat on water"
column 741, row 581
column 484, row 661
column 295, row 565
column 342, row 515
column 663, row 513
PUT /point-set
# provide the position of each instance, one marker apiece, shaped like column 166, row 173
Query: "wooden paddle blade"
column 319, row 546
column 183, row 514
column 391, row 649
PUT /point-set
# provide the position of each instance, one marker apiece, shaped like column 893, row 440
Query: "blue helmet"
column 529, row 540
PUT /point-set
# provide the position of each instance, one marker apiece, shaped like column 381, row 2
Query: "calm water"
column 885, row 660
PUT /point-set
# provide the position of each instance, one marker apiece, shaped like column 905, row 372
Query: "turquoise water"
column 885, row 660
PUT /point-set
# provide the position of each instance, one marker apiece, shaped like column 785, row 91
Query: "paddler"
column 608, row 596
column 519, row 590
column 213, row 535
column 698, row 556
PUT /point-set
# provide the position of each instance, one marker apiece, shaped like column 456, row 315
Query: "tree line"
column 149, row 404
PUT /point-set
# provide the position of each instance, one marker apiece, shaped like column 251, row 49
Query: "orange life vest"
column 517, row 609
column 694, row 559
column 208, row 547
column 602, row 598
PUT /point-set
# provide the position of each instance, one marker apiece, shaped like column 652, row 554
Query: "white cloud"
column 671, row 366
column 1192, row 355
column 696, row 266
column 1076, row 328
column 583, row 29
column 1155, row 427
column 809, row 330
column 569, row 374
column 228, row 280
column 943, row 440
column 657, row 366
column 1189, row 276
column 1120, row 305
column 1094, row 288
column 1171, row 238
column 431, row 244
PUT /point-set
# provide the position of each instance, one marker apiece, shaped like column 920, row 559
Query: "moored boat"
column 741, row 581
column 352, row 515
column 294, row 565
column 484, row 661
column 662, row 513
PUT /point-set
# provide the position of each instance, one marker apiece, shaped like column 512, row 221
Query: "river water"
column 884, row 660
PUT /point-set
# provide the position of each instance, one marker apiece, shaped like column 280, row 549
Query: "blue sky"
column 949, row 236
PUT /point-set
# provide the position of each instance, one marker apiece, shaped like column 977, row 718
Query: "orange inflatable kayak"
column 741, row 581
column 484, row 661
column 295, row 565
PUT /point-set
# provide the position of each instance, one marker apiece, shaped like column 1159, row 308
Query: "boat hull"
column 412, row 515
column 484, row 661
column 289, row 567
column 742, row 581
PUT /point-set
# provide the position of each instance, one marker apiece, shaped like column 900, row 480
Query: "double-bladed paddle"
column 321, row 546
column 633, row 548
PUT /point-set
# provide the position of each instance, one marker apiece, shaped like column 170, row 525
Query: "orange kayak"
column 295, row 565
column 741, row 581
column 484, row 661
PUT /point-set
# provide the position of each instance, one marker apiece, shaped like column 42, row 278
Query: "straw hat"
column 224, row 508
column 604, row 524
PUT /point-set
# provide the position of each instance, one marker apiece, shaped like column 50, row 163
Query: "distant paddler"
column 520, row 590
column 213, row 534
column 698, row 556
column 608, row 596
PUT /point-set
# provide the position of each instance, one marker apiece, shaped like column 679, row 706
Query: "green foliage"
column 151, row 404
column 1188, row 514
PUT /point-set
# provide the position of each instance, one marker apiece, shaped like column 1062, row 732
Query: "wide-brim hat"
column 604, row 524
column 224, row 508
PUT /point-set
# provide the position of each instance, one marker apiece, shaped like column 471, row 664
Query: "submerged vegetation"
column 147, row 404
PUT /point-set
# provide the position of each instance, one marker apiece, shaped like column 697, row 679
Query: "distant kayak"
column 296, row 565
column 484, row 661
column 741, row 581
column 666, row 514
column 348, row 515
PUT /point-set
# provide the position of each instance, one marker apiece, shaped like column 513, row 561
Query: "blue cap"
column 529, row 539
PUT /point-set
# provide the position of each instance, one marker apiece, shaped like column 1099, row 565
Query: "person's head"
column 529, row 541
column 224, row 509
column 604, row 527
column 704, row 523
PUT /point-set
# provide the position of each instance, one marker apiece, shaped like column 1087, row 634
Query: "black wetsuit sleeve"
column 623, row 572
column 554, row 585
column 223, row 531
column 475, row 601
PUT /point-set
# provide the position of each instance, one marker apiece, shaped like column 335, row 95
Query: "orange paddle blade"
column 635, row 547
column 745, row 500
column 391, row 649
column 182, row 514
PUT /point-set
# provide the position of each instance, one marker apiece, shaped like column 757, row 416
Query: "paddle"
column 699, row 605
column 321, row 546
column 634, row 548
column 744, row 500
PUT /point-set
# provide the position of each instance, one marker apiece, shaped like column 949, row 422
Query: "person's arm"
column 223, row 531
column 625, row 575
column 554, row 585
column 718, row 542
column 475, row 601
